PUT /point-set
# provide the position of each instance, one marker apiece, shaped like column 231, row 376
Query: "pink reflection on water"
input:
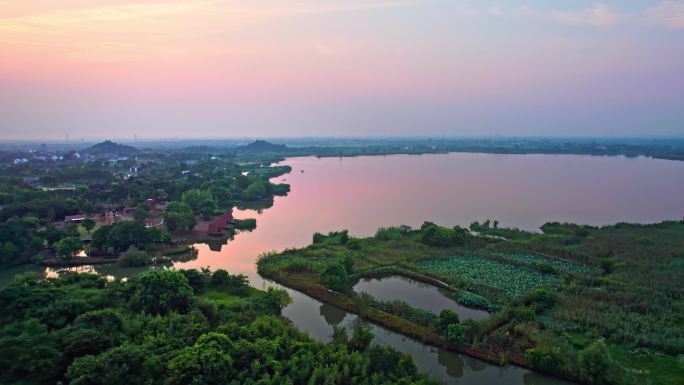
column 364, row 193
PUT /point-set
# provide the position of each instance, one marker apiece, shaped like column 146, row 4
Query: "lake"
column 525, row 191
column 364, row 193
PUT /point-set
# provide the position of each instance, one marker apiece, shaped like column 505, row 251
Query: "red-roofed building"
column 219, row 223
column 214, row 229
column 227, row 217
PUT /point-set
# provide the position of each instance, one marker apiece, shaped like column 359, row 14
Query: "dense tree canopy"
column 155, row 329
column 121, row 235
column 67, row 247
column 179, row 216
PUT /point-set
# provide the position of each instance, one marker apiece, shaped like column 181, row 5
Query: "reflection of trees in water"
column 475, row 365
column 215, row 245
column 453, row 362
column 188, row 255
column 332, row 315
column 532, row 378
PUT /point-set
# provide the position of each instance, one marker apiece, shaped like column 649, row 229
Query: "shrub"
column 198, row 280
column 161, row 292
column 438, row 236
column 67, row 247
column 456, row 333
column 446, row 318
column 361, row 338
column 543, row 358
column 523, row 313
column 236, row 283
column 245, row 224
column 541, row 299
column 335, row 277
column 596, row 364
column 353, row 244
column 318, row 238
column 134, row 257
column 389, row 233
column 298, row 265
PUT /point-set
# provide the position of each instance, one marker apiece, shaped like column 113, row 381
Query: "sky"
column 264, row 68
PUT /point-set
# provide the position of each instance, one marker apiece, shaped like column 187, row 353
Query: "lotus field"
column 475, row 272
column 531, row 259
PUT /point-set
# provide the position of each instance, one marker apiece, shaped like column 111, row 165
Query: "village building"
column 78, row 218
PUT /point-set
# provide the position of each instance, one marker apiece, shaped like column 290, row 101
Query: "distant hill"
column 110, row 148
column 261, row 146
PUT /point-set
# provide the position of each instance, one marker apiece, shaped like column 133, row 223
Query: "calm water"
column 364, row 193
column 416, row 294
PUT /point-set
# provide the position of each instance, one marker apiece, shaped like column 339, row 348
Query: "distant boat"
column 301, row 170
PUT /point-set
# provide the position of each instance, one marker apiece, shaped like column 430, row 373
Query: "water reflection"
column 364, row 193
column 449, row 367
column 216, row 244
column 417, row 294
column 332, row 315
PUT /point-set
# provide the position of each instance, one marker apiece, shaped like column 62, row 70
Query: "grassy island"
column 600, row 305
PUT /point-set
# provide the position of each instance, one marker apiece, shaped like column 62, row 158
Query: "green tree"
column 456, row 333
column 88, row 224
column 446, row 318
column 222, row 195
column 120, row 236
column 195, row 198
column 544, row 358
column 198, row 280
column 318, row 238
column 28, row 354
column 607, row 265
column 361, row 338
column 207, row 208
column 208, row 361
column 596, row 364
column 134, row 257
column 335, row 277
column 121, row 365
column 140, row 213
column 438, row 236
column 162, row 291
column 276, row 299
column 179, row 216
column 256, row 190
column 344, row 237
column 161, row 194
column 67, row 247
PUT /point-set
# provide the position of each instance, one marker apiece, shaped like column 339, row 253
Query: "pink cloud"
column 667, row 14
column 597, row 15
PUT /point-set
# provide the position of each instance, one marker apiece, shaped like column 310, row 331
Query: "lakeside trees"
column 179, row 216
column 67, row 247
column 36, row 197
column 19, row 240
column 120, row 236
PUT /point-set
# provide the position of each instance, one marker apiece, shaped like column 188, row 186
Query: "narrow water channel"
column 318, row 319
